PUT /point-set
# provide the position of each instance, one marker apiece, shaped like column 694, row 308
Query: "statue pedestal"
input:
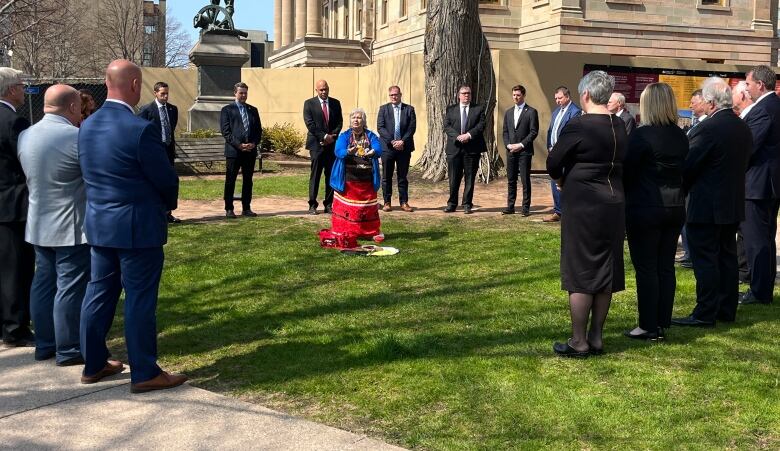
column 219, row 58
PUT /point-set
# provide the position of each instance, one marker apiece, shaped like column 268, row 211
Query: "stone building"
column 358, row 32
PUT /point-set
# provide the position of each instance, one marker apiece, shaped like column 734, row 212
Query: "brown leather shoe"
column 387, row 207
column 161, row 382
column 112, row 367
column 555, row 217
column 407, row 208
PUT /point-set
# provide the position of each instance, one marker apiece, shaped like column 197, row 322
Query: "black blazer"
column 475, row 125
column 233, row 129
column 653, row 167
column 315, row 123
column 13, row 187
column 385, row 124
column 628, row 118
column 714, row 170
column 526, row 131
column 152, row 114
column 763, row 173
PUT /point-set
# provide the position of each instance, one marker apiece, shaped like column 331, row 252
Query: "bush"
column 283, row 138
column 202, row 133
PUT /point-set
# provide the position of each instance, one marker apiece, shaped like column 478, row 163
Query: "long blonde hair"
column 657, row 105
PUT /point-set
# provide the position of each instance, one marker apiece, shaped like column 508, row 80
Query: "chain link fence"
column 35, row 89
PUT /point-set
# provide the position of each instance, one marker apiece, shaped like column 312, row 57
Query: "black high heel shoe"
column 565, row 350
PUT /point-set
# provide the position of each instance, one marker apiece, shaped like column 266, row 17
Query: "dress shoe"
column 387, row 207
column 525, row 213
column 467, row 210
column 596, row 351
column 161, row 382
column 449, row 209
column 328, row 210
column 651, row 336
column 112, row 367
column 508, row 211
column 565, row 350
column 312, row 211
column 25, row 341
column 72, row 362
column 248, row 213
column 407, row 208
column 44, row 354
column 749, row 298
column 555, row 217
column 173, row 219
column 724, row 318
column 686, row 264
column 230, row 214
column 691, row 321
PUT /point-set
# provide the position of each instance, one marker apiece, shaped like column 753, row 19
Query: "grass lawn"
column 447, row 345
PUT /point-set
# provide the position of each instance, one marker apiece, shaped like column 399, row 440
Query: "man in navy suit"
column 242, row 130
column 18, row 257
column 464, row 124
column 165, row 116
column 762, row 186
column 521, row 126
column 560, row 116
column 322, row 116
column 130, row 187
column 396, row 124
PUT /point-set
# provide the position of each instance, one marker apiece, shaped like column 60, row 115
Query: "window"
column 346, row 19
column 326, row 19
column 423, row 5
column 383, row 13
column 359, row 18
column 402, row 8
column 336, row 19
column 713, row 2
column 490, row 2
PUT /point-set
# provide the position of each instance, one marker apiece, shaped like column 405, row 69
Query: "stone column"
column 288, row 22
column 300, row 18
column 277, row 24
column 314, row 18
column 762, row 16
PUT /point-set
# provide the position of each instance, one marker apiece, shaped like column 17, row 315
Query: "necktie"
column 397, row 130
column 244, row 119
column 166, row 125
column 556, row 126
column 463, row 119
column 518, row 111
column 325, row 112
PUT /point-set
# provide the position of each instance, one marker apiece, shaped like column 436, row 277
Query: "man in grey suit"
column 48, row 152
column 617, row 106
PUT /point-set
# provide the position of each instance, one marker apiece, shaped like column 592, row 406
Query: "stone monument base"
column 219, row 58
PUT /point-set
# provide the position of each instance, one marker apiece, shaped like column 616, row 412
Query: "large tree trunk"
column 456, row 53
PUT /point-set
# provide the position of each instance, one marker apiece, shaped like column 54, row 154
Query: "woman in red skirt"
column 355, row 178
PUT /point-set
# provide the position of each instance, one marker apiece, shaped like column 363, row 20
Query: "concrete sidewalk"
column 43, row 406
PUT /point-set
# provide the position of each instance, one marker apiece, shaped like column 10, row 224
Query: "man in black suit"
column 464, row 123
column 617, row 106
column 396, row 124
column 18, row 258
column 322, row 115
column 714, row 177
column 165, row 116
column 762, row 186
column 521, row 126
column 242, row 130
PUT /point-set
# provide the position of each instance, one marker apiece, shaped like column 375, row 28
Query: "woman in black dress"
column 655, row 207
column 587, row 162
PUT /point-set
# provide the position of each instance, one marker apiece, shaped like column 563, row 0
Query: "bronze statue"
column 213, row 17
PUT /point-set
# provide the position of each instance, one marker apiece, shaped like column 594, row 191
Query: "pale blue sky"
column 249, row 15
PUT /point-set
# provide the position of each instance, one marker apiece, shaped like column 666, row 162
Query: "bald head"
column 63, row 100
column 123, row 80
column 322, row 89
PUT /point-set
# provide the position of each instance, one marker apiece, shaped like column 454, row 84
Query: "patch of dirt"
column 428, row 199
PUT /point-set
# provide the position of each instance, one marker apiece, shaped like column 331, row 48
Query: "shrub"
column 283, row 138
column 202, row 133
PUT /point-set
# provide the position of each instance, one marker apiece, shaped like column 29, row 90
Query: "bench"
column 200, row 150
